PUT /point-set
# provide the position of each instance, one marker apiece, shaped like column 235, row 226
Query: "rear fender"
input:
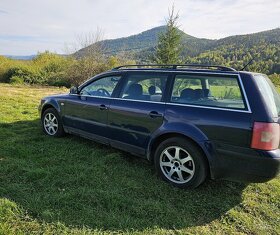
column 184, row 130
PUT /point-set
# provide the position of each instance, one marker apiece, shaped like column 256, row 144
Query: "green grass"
column 72, row 185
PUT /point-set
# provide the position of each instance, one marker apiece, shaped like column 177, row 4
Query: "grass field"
column 72, row 185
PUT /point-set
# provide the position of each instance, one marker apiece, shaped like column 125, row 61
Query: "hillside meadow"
column 71, row 185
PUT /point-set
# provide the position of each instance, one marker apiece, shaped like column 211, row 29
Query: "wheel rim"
column 50, row 124
column 177, row 164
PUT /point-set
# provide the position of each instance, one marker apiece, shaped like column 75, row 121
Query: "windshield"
column 269, row 93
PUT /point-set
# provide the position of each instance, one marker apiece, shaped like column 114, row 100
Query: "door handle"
column 83, row 97
column 103, row 107
column 155, row 114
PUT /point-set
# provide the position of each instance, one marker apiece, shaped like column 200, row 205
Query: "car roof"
column 201, row 68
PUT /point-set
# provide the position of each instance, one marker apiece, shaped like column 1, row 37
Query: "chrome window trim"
column 248, row 110
column 114, row 98
column 210, row 107
column 188, row 105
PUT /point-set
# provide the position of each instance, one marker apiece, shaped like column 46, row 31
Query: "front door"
column 87, row 112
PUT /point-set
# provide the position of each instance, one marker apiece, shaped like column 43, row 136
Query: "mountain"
column 144, row 42
column 234, row 51
column 261, row 49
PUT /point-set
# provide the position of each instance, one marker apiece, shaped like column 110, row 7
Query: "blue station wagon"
column 191, row 121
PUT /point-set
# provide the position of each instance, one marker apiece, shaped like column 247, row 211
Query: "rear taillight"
column 265, row 136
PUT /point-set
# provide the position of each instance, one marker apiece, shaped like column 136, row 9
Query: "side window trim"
column 124, row 80
column 89, row 82
column 247, row 108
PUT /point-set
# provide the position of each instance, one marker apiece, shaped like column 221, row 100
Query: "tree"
column 168, row 49
column 89, row 58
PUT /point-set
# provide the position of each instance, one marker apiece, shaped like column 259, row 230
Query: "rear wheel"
column 181, row 163
column 51, row 122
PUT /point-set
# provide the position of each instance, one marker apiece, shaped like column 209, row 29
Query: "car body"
column 228, row 118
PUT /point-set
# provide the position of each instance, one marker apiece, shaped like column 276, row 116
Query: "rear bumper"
column 244, row 164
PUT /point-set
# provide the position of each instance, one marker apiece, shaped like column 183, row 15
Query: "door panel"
column 139, row 111
column 132, row 122
column 88, row 111
column 87, row 114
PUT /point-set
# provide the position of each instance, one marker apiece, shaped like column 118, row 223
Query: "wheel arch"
column 50, row 104
column 202, row 145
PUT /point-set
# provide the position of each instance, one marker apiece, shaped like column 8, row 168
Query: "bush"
column 16, row 80
column 5, row 65
column 52, row 69
column 29, row 74
column 87, row 67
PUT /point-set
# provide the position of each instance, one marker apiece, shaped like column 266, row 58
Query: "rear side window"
column 269, row 93
column 147, row 87
column 217, row 91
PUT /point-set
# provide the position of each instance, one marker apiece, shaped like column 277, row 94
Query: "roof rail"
column 175, row 66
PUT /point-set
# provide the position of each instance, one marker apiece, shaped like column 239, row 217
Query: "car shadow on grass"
column 80, row 183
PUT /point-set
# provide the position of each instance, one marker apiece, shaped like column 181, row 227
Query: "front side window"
column 103, row 87
column 216, row 91
column 146, row 87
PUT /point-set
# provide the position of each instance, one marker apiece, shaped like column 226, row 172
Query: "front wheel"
column 181, row 163
column 52, row 124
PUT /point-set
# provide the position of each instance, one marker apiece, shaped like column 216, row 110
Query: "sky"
column 31, row 26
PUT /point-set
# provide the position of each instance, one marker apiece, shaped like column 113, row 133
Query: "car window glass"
column 207, row 91
column 144, row 87
column 269, row 92
column 103, row 87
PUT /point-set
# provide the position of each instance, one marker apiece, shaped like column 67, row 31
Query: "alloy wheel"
column 177, row 164
column 50, row 124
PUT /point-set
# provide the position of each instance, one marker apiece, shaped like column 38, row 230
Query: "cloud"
column 3, row 12
column 50, row 24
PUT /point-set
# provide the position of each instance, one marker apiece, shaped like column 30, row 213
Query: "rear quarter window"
column 269, row 93
column 214, row 91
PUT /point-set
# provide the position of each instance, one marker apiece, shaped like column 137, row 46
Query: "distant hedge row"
column 51, row 69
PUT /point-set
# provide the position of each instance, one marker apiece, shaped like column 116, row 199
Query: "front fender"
column 48, row 103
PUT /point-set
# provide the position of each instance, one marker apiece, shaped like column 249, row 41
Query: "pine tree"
column 168, row 49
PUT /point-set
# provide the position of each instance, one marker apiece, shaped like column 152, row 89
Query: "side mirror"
column 74, row 90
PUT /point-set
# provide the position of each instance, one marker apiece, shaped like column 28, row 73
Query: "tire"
column 181, row 163
column 52, row 123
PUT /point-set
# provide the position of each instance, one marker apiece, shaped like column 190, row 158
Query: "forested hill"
column 146, row 41
column 233, row 51
column 262, row 48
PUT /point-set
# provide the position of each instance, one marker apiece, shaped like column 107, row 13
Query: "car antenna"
column 248, row 64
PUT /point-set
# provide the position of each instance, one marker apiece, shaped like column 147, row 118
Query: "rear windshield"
column 269, row 93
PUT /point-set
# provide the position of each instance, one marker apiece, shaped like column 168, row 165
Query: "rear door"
column 138, row 111
column 214, row 103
